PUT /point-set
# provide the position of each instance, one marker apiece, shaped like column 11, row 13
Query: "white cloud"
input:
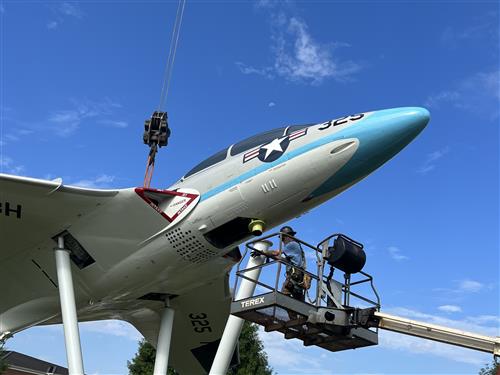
column 11, row 137
column 478, row 94
column 339, row 221
column 488, row 319
column 52, row 25
column 450, row 308
column 265, row 72
column 290, row 356
column 71, row 9
column 114, row 123
column 112, row 327
column 265, row 3
column 7, row 165
column 271, row 104
column 305, row 59
column 395, row 341
column 463, row 287
column 471, row 286
column 101, row 181
column 431, row 160
column 434, row 101
column 297, row 56
column 484, row 27
column 62, row 11
column 395, row 253
column 65, row 122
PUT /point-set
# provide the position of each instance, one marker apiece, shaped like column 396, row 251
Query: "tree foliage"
column 144, row 361
column 491, row 369
column 253, row 360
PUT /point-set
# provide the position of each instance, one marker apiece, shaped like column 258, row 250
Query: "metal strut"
column 164, row 339
column 68, row 309
column 234, row 324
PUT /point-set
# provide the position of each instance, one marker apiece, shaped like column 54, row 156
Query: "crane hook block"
column 156, row 130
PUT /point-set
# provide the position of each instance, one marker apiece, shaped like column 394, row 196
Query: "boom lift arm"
column 438, row 333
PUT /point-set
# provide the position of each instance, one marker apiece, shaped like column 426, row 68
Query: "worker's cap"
column 288, row 230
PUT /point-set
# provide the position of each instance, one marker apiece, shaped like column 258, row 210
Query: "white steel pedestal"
column 234, row 324
column 68, row 309
column 164, row 339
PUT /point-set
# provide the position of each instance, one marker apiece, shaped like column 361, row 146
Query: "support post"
column 68, row 309
column 347, row 292
column 164, row 339
column 234, row 324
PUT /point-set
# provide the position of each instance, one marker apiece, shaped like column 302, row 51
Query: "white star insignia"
column 275, row 145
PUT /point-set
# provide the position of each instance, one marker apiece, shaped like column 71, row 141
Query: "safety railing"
column 319, row 280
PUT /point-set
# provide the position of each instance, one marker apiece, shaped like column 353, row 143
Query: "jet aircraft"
column 131, row 248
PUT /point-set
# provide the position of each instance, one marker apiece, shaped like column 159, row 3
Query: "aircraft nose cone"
column 407, row 122
column 389, row 132
column 381, row 136
column 416, row 119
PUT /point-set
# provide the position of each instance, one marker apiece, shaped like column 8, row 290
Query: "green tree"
column 253, row 360
column 493, row 369
column 144, row 361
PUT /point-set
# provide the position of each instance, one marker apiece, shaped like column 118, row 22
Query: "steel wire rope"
column 171, row 54
column 174, row 41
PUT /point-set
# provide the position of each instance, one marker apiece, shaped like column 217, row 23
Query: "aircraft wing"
column 109, row 224
column 199, row 320
column 32, row 210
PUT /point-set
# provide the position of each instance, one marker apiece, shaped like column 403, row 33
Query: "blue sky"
column 78, row 79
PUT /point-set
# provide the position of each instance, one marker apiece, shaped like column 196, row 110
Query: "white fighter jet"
column 130, row 249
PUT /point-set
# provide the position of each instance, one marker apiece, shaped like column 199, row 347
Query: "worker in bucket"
column 294, row 255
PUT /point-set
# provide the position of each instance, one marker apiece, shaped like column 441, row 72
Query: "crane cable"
column 150, row 164
column 171, row 54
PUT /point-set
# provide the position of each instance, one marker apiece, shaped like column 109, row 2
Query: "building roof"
column 22, row 361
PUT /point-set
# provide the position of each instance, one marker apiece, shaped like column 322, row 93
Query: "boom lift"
column 335, row 317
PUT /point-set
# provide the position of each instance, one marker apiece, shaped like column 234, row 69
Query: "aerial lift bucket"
column 324, row 321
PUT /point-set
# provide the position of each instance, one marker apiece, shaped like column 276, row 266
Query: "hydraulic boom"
column 439, row 333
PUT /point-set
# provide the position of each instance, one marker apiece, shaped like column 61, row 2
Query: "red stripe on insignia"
column 252, row 152
column 297, row 134
column 250, row 155
column 250, row 158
